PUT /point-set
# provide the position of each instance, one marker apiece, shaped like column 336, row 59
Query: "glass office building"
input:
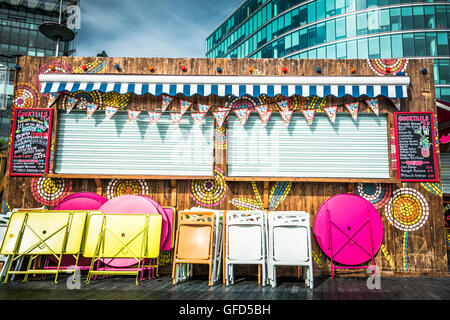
column 19, row 35
column 338, row 29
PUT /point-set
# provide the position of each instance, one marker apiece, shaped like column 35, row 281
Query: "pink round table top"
column 348, row 229
column 134, row 204
column 81, row 201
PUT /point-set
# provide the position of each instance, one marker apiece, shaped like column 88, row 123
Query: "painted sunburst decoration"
column 119, row 187
column 209, row 193
column 54, row 66
column 48, row 191
column 388, row 66
column 25, row 96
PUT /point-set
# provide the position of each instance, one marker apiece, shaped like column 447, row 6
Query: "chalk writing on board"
column 30, row 142
column 416, row 154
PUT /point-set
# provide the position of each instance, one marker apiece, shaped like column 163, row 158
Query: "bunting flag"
column 309, row 116
column 166, row 100
column 184, row 105
column 154, row 117
column 91, row 107
column 396, row 102
column 242, row 114
column 264, row 114
column 331, row 113
column 203, row 108
column 286, row 115
column 373, row 104
column 52, row 98
column 110, row 111
column 353, row 109
column 132, row 115
column 198, row 117
column 71, row 103
column 176, row 118
column 284, row 105
column 220, row 116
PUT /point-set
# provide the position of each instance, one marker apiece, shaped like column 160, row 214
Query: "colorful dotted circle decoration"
column 378, row 194
column 242, row 102
column 209, row 193
column 388, row 66
column 119, row 187
column 49, row 191
column 54, row 66
column 25, row 96
column 407, row 210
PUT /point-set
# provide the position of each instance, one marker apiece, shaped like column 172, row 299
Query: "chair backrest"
column 195, row 235
column 289, row 235
column 124, row 235
column 45, row 232
column 245, row 234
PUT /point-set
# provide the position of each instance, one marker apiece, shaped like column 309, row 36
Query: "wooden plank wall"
column 426, row 247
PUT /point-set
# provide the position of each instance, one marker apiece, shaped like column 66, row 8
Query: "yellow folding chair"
column 43, row 232
column 193, row 244
column 111, row 236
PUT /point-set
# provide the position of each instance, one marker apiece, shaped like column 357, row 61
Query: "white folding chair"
column 217, row 245
column 289, row 243
column 245, row 241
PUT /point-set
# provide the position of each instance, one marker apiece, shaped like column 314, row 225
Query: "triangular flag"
column 184, row 105
column 110, row 111
column 52, row 98
column 353, row 109
column 176, row 118
column 309, row 115
column 284, row 105
column 331, row 113
column 132, row 115
column 154, row 117
column 71, row 102
column 242, row 114
column 91, row 107
column 220, row 116
column 396, row 102
column 373, row 104
column 203, row 108
column 166, row 100
column 198, row 117
column 264, row 114
column 286, row 115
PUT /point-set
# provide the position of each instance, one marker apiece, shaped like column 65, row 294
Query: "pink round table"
column 348, row 229
column 134, row 204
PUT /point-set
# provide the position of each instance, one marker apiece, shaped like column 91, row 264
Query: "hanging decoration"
column 331, row 113
column 374, row 105
column 176, row 118
column 209, row 193
column 154, row 117
column 90, row 109
column 52, row 99
column 71, row 102
column 309, row 116
column 198, row 118
column 166, row 100
column 353, row 109
column 110, row 111
column 378, row 194
column 242, row 115
column 184, row 106
column 283, row 105
column 204, row 108
column 264, row 114
column 286, row 116
column 396, row 102
column 220, row 116
column 85, row 97
column 119, row 187
column 132, row 115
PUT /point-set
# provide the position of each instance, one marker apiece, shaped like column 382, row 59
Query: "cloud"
column 170, row 28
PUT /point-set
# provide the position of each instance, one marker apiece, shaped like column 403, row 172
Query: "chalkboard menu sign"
column 30, row 143
column 416, row 151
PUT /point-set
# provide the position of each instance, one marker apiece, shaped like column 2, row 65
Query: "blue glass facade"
column 338, row 29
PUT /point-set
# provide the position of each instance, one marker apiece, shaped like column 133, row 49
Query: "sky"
column 149, row 28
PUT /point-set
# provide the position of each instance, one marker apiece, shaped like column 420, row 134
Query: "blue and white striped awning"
column 391, row 87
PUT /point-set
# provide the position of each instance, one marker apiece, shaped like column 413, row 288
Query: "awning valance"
column 391, row 87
